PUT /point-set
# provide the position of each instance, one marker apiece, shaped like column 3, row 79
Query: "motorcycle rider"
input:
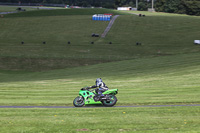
column 102, row 87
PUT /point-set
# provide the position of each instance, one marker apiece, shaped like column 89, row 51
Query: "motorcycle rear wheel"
column 111, row 102
column 78, row 101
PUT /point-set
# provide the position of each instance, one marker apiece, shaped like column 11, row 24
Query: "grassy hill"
column 14, row 8
column 158, row 34
column 64, row 12
column 167, row 50
column 148, row 81
column 164, row 70
column 159, row 80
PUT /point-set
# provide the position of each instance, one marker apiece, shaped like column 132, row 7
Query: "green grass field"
column 164, row 70
column 162, row 35
column 13, row 8
column 27, row 8
column 112, row 120
column 158, row 80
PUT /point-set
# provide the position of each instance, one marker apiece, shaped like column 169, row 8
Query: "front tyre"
column 79, row 101
column 110, row 102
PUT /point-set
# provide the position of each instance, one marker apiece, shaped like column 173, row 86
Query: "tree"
column 171, row 6
column 143, row 5
column 192, row 7
column 160, row 5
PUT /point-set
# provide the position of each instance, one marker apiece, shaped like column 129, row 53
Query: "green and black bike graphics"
column 89, row 96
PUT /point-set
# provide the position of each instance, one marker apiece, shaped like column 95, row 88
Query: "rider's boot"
column 99, row 95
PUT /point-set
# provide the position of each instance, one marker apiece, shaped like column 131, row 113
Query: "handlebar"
column 84, row 89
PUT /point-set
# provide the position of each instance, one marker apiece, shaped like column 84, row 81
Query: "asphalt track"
column 109, row 26
column 101, row 106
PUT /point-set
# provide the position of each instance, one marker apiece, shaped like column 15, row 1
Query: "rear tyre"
column 79, row 101
column 111, row 102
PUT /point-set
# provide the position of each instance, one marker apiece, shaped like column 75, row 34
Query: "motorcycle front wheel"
column 111, row 102
column 79, row 101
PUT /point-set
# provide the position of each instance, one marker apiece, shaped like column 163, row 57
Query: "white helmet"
column 98, row 81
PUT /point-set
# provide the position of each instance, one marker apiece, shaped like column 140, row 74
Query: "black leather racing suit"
column 102, row 88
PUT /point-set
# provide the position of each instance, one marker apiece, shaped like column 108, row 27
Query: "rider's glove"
column 105, row 89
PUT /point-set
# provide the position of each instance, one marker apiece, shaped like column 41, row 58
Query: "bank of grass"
column 163, row 35
column 61, row 29
column 164, row 70
column 112, row 120
column 64, row 12
column 159, row 80
column 169, row 34
column 147, row 13
column 14, row 8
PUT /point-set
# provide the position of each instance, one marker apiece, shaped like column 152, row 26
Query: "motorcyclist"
column 102, row 87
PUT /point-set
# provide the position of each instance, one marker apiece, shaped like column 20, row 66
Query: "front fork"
column 80, row 99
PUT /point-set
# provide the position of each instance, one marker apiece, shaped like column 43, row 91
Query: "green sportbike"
column 90, row 96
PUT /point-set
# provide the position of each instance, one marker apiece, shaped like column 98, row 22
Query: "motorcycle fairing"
column 89, row 96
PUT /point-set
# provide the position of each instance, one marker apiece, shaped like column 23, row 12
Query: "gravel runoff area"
column 109, row 26
column 97, row 106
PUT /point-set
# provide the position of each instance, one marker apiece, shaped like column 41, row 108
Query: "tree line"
column 191, row 7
